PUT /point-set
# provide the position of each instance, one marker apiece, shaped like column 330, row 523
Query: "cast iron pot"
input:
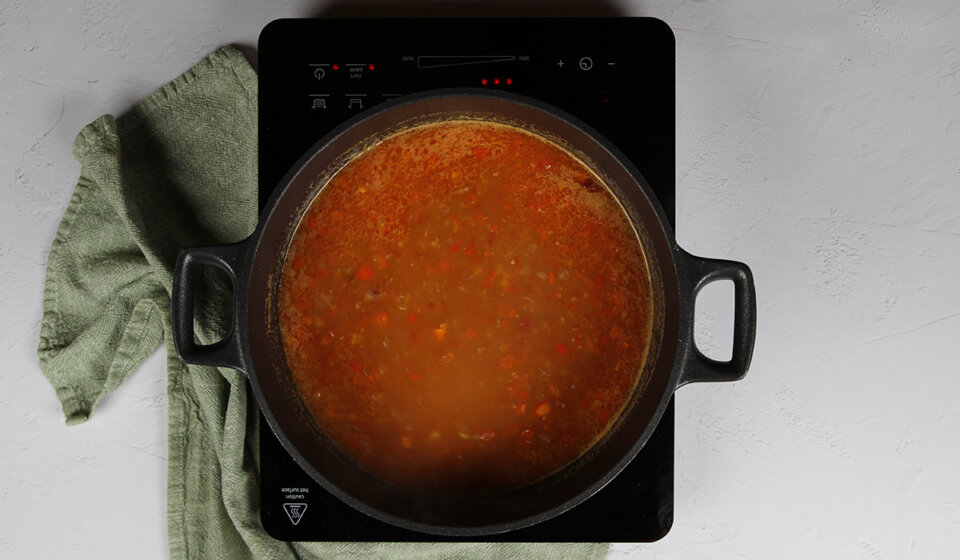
column 253, row 344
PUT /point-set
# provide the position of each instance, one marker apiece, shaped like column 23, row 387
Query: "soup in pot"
column 465, row 308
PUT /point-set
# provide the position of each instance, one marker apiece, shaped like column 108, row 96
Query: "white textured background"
column 818, row 141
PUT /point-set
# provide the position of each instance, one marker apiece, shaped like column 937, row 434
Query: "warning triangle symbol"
column 295, row 512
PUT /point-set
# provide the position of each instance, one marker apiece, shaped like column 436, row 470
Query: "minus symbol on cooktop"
column 611, row 64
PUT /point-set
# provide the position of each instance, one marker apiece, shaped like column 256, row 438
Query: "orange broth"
column 465, row 308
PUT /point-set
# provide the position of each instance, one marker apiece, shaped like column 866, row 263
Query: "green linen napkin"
column 179, row 169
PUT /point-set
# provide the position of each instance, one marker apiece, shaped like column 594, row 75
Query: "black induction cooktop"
column 615, row 74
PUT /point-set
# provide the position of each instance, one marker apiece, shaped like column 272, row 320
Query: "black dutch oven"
column 253, row 344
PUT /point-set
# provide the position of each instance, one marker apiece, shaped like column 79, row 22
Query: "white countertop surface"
column 817, row 141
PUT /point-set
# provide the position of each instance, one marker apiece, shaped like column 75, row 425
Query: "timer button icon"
column 586, row 63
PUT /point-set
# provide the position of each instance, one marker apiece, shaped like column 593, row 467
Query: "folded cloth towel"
column 180, row 169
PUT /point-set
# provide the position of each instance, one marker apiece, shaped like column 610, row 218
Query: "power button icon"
column 586, row 63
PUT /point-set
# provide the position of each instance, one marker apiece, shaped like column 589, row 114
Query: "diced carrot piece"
column 440, row 333
column 561, row 348
column 412, row 318
column 454, row 248
column 380, row 318
column 471, row 333
column 542, row 409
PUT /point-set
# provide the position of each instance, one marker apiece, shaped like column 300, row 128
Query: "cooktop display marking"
column 438, row 61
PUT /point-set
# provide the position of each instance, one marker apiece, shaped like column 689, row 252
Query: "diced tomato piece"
column 365, row 273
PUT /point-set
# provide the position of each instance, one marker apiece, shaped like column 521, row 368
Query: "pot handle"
column 699, row 273
column 226, row 352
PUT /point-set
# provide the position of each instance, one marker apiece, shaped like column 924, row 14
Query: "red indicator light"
column 509, row 81
column 483, row 81
column 496, row 81
column 371, row 66
column 336, row 66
